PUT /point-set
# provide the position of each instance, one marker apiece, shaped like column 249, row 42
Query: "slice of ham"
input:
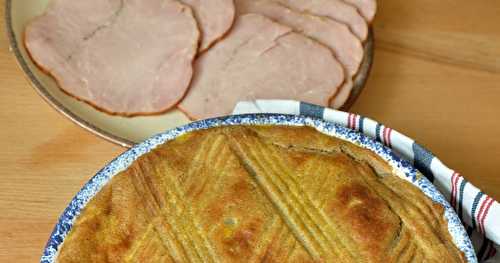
column 367, row 8
column 261, row 59
column 126, row 57
column 346, row 47
column 335, row 9
column 342, row 95
column 215, row 18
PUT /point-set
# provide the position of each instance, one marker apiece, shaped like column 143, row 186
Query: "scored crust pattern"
column 260, row 194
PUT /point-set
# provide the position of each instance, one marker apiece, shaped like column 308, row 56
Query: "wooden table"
column 436, row 78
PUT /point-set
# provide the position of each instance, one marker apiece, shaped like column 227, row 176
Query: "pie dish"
column 255, row 188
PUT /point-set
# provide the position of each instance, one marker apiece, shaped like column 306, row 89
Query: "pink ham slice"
column 215, row 18
column 367, row 8
column 126, row 57
column 342, row 95
column 346, row 46
column 261, row 59
column 335, row 9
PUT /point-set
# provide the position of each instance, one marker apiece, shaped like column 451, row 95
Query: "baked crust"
column 259, row 194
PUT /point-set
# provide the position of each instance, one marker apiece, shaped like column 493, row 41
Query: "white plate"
column 121, row 130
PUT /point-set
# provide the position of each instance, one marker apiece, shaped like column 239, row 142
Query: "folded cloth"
column 479, row 213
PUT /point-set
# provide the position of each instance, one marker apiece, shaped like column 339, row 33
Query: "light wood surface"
column 436, row 78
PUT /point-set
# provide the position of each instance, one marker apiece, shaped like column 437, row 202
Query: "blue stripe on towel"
column 311, row 110
column 422, row 161
column 461, row 199
column 474, row 208
column 361, row 124
column 377, row 132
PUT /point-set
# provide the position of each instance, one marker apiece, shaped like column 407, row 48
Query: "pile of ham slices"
column 136, row 57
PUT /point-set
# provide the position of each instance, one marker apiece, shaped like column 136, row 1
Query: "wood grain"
column 436, row 78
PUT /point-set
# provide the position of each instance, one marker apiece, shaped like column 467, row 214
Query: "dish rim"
column 360, row 83
column 401, row 167
column 44, row 93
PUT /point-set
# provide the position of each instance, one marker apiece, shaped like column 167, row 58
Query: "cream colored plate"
column 121, row 130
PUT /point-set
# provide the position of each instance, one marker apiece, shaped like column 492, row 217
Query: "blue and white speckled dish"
column 400, row 166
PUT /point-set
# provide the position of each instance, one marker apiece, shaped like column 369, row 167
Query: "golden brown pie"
column 259, row 194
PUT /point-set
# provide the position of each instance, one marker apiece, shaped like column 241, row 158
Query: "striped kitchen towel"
column 479, row 212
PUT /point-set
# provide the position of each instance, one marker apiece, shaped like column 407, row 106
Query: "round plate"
column 120, row 130
column 400, row 167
